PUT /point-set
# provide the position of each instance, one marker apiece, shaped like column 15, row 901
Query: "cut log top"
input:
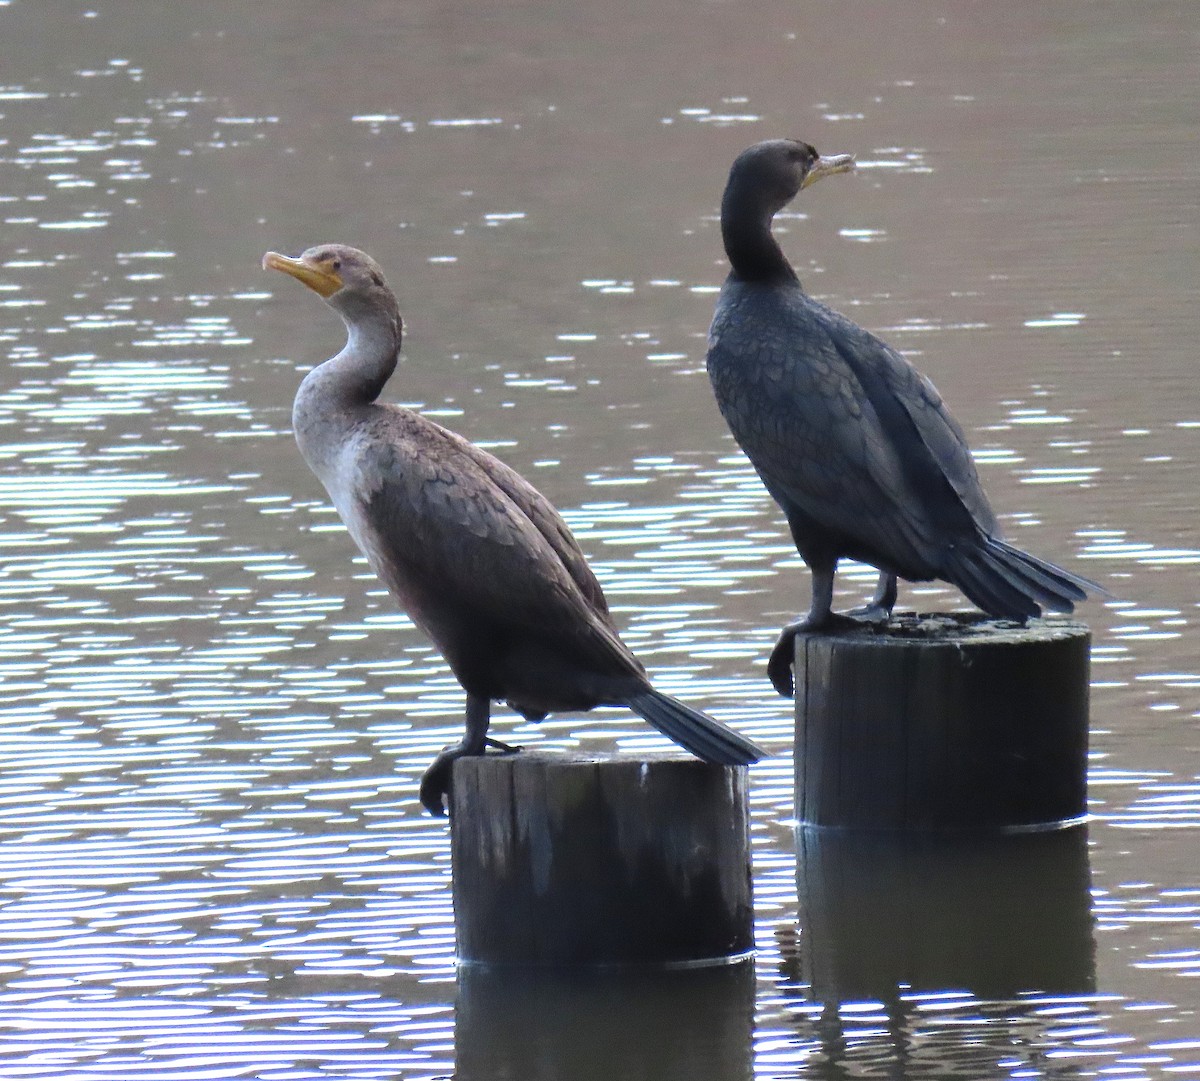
column 957, row 628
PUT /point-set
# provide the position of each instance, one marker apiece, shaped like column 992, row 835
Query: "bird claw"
column 783, row 656
column 435, row 783
column 436, row 780
column 874, row 614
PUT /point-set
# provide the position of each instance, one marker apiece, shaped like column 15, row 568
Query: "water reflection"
column 691, row 1025
column 928, row 957
column 993, row 916
column 940, row 1036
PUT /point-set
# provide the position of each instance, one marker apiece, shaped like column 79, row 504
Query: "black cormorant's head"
column 771, row 173
column 763, row 180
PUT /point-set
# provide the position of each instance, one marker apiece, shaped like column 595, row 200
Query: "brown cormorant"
column 852, row 442
column 477, row 557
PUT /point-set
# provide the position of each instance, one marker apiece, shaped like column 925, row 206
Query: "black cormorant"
column 853, row 443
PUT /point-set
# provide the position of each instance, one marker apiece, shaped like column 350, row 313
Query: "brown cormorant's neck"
column 754, row 254
column 371, row 352
column 332, row 399
column 357, row 374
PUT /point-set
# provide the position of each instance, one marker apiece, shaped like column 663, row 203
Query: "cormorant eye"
column 336, row 264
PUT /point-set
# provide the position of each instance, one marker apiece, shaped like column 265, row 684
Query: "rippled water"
column 213, row 863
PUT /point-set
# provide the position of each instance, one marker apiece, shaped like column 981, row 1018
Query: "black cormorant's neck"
column 753, row 252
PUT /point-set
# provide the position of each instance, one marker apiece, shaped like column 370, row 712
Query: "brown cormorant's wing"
column 542, row 513
column 462, row 539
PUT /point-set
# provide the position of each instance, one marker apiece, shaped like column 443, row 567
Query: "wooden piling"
column 942, row 722
column 571, row 859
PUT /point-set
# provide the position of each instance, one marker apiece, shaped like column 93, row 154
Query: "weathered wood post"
column 942, row 722
column 572, row 859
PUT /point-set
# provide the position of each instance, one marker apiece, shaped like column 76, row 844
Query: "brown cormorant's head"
column 333, row 270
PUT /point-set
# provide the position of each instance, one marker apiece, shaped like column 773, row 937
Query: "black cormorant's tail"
column 693, row 730
column 1010, row 584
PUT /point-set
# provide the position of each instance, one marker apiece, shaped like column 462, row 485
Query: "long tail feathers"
column 693, row 730
column 1011, row 584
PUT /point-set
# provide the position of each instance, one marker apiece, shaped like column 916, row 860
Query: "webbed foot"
column 436, row 780
column 879, row 611
column 822, row 619
column 783, row 656
column 875, row 614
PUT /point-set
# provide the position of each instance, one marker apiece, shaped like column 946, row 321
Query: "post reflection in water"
column 532, row 1024
column 898, row 932
column 996, row 916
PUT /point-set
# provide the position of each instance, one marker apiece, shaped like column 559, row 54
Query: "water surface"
column 214, row 864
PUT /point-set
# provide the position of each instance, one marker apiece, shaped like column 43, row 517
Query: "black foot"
column 779, row 667
column 875, row 614
column 435, row 781
column 783, row 656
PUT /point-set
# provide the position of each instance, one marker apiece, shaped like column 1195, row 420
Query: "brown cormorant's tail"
column 694, row 731
column 1010, row 584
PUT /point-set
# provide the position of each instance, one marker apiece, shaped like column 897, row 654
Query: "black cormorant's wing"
column 845, row 433
column 890, row 381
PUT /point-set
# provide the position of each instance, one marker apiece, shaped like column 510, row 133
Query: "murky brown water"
column 213, row 864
